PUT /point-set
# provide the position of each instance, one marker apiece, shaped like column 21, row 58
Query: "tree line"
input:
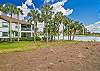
column 51, row 21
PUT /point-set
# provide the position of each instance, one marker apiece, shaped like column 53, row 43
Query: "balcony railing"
column 25, row 29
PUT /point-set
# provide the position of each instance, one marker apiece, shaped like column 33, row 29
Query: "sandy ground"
column 83, row 56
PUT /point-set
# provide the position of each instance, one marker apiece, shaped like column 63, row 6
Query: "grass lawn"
column 6, row 47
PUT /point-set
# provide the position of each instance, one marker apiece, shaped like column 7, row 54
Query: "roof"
column 13, row 20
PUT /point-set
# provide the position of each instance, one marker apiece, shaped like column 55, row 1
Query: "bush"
column 37, row 38
column 44, row 38
column 30, row 39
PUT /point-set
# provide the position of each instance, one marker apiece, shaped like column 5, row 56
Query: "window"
column 25, row 34
column 16, row 33
column 0, row 25
column 6, row 26
column 16, row 26
column 25, row 27
column 4, row 33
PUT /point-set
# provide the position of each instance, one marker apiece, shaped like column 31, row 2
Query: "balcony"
column 25, row 29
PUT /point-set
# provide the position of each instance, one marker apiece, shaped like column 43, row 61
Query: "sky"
column 85, row 11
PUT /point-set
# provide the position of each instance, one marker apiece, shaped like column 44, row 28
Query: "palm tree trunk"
column 10, row 35
column 68, row 33
column 54, row 32
column 63, row 32
column 54, row 37
column 58, row 33
column 70, row 36
column 18, row 28
column 47, row 33
column 34, row 32
column 36, row 29
column 9, row 31
column 73, row 35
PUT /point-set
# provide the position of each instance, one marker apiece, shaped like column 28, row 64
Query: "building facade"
column 25, row 30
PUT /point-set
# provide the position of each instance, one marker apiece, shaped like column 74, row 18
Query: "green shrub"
column 37, row 38
column 30, row 39
column 44, row 38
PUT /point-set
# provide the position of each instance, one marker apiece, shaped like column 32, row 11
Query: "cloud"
column 29, row 2
column 94, row 28
column 47, row 0
column 69, row 11
column 58, row 7
column 25, row 8
column 54, row 0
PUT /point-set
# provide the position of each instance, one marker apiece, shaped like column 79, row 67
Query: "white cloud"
column 98, row 22
column 29, row 2
column 58, row 7
column 94, row 28
column 46, row 0
column 25, row 8
column 69, row 11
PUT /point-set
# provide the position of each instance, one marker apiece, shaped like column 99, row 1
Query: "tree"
column 9, row 9
column 59, row 19
column 18, row 12
column 35, row 17
column 65, row 23
column 77, row 27
column 74, row 26
column 69, row 27
column 54, row 26
column 1, row 7
column 46, row 16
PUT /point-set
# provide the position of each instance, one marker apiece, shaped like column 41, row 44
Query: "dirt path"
column 83, row 56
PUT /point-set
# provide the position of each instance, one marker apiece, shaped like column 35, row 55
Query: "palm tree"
column 74, row 27
column 69, row 27
column 51, row 29
column 46, row 16
column 65, row 23
column 1, row 7
column 59, row 19
column 35, row 17
column 18, row 12
column 9, row 9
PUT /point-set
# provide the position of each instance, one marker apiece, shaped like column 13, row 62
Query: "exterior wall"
column 3, row 29
column 27, row 31
column 14, row 27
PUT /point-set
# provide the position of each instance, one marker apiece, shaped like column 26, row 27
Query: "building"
column 94, row 28
column 25, row 28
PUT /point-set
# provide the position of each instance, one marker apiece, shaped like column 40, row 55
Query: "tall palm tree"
column 46, row 16
column 77, row 27
column 55, row 27
column 74, row 27
column 9, row 9
column 69, row 27
column 65, row 23
column 59, row 18
column 1, row 7
column 18, row 11
column 35, row 17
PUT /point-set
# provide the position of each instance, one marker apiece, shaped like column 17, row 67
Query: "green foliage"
column 30, row 38
column 51, row 21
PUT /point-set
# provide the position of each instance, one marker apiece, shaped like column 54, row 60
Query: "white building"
column 25, row 28
column 94, row 28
